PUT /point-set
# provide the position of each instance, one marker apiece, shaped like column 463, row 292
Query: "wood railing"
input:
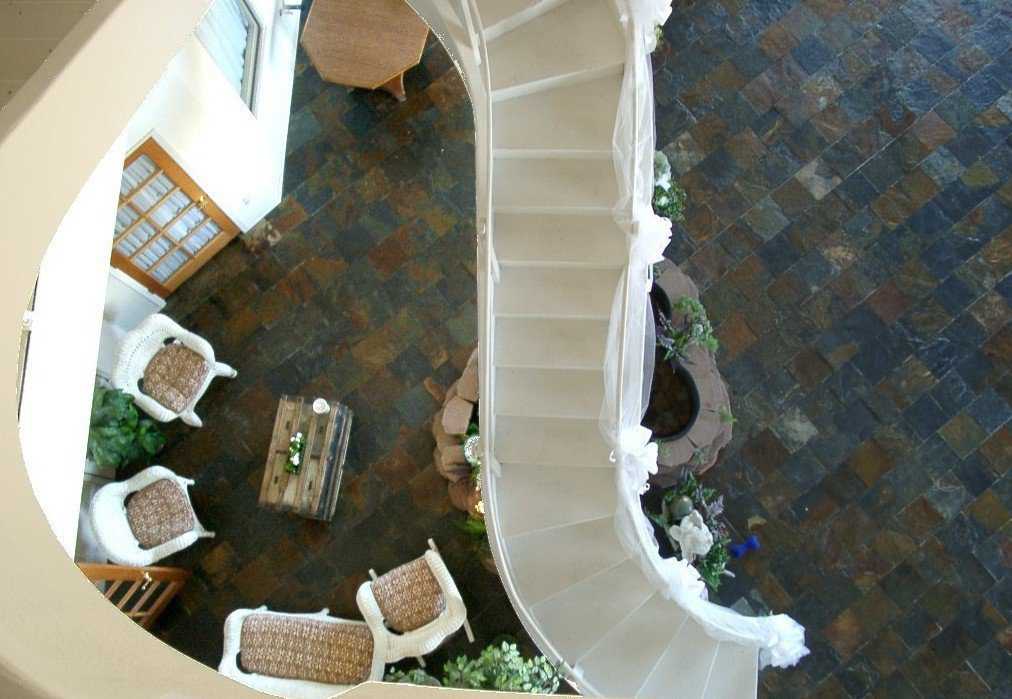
column 140, row 593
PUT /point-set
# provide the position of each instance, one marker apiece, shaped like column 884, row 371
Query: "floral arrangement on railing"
column 669, row 198
column 690, row 517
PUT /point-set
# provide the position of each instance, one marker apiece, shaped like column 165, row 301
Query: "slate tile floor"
column 848, row 168
column 368, row 297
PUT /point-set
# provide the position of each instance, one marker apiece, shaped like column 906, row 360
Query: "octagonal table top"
column 363, row 43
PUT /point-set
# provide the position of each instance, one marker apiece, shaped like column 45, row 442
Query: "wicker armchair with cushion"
column 300, row 656
column 167, row 369
column 415, row 606
column 146, row 518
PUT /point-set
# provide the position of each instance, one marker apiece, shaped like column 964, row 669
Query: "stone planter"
column 698, row 447
column 674, row 399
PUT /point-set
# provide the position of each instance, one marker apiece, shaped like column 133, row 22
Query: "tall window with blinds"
column 231, row 34
column 166, row 227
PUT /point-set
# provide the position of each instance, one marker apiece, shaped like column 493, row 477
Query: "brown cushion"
column 159, row 513
column 174, row 376
column 306, row 649
column 409, row 596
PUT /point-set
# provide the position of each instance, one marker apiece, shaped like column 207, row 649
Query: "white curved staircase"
column 555, row 71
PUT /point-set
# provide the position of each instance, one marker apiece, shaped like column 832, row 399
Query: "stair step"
column 575, row 37
column 550, row 343
column 735, row 672
column 550, row 442
column 685, row 665
column 501, row 16
column 546, row 562
column 538, row 497
column 630, row 651
column 549, row 392
column 576, row 618
column 550, row 184
column 559, row 240
column 578, row 117
column 556, row 293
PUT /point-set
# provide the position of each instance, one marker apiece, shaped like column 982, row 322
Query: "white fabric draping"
column 629, row 359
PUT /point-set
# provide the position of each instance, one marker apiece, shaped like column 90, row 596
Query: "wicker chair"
column 157, row 521
column 415, row 606
column 167, row 369
column 300, row 656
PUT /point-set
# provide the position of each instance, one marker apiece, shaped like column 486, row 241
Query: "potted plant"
column 674, row 403
column 118, row 436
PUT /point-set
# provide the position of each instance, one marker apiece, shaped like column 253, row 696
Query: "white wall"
column 60, row 367
column 235, row 155
column 127, row 303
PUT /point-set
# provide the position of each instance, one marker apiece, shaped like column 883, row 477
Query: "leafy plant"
column 500, row 667
column 726, row 416
column 413, row 676
column 694, row 329
column 118, row 435
column 710, row 505
column 669, row 198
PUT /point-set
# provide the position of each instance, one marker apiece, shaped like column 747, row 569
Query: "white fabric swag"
column 629, row 359
column 225, row 33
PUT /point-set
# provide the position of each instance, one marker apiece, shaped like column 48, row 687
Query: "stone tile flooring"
column 848, row 171
column 847, row 165
column 369, row 297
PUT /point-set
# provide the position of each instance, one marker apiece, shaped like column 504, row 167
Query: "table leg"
column 395, row 86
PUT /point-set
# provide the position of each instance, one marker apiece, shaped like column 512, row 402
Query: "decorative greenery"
column 500, row 667
column 726, row 416
column 296, row 451
column 711, row 506
column 669, row 197
column 118, row 435
column 695, row 329
column 475, row 463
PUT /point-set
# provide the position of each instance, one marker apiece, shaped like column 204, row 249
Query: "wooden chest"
column 313, row 491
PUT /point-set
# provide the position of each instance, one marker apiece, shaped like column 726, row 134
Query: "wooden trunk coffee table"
column 312, row 492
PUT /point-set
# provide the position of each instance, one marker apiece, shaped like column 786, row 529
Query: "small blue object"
column 739, row 550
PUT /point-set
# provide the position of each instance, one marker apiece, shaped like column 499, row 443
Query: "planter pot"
column 674, row 397
column 651, row 502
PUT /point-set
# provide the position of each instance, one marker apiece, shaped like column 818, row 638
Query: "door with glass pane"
column 166, row 227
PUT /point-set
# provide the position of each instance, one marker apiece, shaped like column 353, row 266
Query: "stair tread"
column 735, row 672
column 549, row 561
column 621, row 660
column 546, row 293
column 559, row 239
column 549, row 392
column 550, row 442
column 577, row 117
column 686, row 664
column 532, row 498
column 544, row 183
column 579, row 35
column 551, row 343
column 612, row 595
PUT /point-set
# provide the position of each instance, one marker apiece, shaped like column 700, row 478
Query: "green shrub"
column 500, row 667
column 118, row 435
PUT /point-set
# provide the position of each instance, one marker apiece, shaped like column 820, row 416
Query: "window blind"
column 230, row 33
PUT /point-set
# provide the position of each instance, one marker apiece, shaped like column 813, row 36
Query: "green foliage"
column 694, row 329
column 296, row 452
column 669, row 198
column 500, row 667
column 412, row 676
column 118, row 436
column 726, row 416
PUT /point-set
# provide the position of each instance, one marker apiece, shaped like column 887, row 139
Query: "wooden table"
column 364, row 43
column 312, row 492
